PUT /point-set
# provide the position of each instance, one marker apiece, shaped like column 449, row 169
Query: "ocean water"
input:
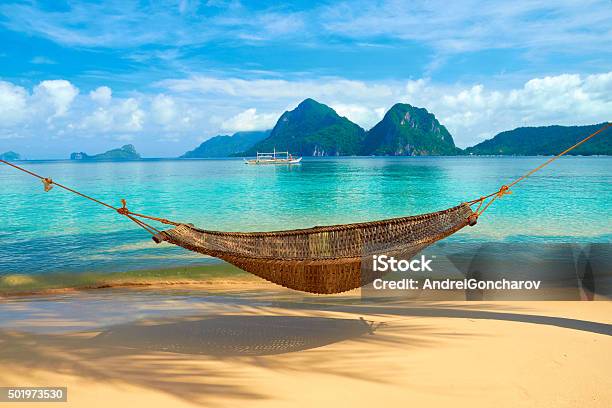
column 569, row 201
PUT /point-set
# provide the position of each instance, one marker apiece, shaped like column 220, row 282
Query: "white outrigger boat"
column 274, row 158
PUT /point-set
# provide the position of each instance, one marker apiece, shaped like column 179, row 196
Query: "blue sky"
column 85, row 76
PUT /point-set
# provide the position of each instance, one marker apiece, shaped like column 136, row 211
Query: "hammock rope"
column 319, row 259
column 505, row 189
column 123, row 210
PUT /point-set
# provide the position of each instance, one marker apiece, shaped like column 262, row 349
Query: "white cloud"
column 447, row 27
column 249, row 120
column 124, row 116
column 13, row 101
column 468, row 25
column 101, row 120
column 129, row 116
column 125, row 24
column 49, row 100
column 362, row 115
column 174, row 114
column 42, row 60
column 124, row 137
column 101, row 95
column 274, row 89
column 55, row 94
column 164, row 109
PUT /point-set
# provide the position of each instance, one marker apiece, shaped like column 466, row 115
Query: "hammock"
column 323, row 260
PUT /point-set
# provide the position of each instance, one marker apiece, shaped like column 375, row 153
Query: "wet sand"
column 258, row 345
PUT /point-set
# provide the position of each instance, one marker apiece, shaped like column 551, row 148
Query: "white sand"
column 173, row 351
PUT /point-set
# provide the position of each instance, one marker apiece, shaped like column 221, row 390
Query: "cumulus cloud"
column 364, row 116
column 249, row 120
column 55, row 94
column 101, row 95
column 13, row 100
column 22, row 111
column 173, row 114
column 124, row 116
column 164, row 109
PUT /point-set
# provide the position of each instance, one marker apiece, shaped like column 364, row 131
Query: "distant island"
column 10, row 156
column 545, row 140
column 406, row 130
column 312, row 129
column 127, row 152
column 315, row 129
column 226, row 145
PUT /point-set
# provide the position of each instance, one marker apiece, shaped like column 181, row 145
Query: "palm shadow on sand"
column 180, row 356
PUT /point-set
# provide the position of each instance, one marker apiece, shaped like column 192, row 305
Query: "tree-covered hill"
column 312, row 129
column 545, row 140
column 225, row 145
column 406, row 130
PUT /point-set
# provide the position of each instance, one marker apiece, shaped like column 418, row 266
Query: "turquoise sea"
column 569, row 201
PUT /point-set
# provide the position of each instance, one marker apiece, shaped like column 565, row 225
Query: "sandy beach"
column 258, row 345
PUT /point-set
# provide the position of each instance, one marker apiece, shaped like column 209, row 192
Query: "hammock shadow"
column 195, row 359
column 233, row 336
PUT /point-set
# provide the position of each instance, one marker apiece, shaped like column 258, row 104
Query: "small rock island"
column 127, row 152
column 10, row 156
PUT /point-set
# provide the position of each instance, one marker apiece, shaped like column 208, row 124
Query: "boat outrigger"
column 274, row 158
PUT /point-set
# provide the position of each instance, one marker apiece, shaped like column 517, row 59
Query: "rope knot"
column 47, row 183
column 504, row 190
column 123, row 209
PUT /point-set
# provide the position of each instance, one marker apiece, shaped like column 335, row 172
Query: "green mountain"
column 545, row 140
column 127, row 152
column 224, row 145
column 10, row 156
column 312, row 129
column 406, row 130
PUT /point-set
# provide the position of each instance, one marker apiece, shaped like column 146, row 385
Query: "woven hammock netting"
column 329, row 259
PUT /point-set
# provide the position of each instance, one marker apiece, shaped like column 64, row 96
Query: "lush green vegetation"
column 224, row 145
column 545, row 140
column 127, row 152
column 406, row 130
column 313, row 129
